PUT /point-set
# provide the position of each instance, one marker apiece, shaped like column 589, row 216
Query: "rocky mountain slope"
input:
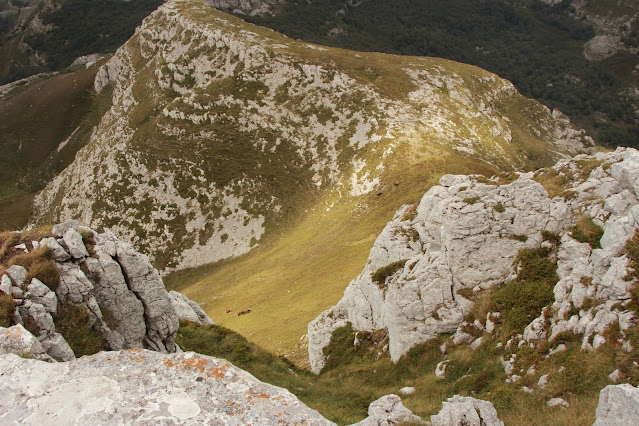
column 263, row 125
column 468, row 235
column 579, row 56
column 79, row 292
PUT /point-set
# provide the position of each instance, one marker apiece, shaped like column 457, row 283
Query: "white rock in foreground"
column 143, row 387
column 618, row 406
column 462, row 410
column 387, row 411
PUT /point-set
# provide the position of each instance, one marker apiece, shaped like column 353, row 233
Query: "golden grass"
column 289, row 280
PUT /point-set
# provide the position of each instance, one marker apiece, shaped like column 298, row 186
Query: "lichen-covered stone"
column 17, row 340
column 143, row 387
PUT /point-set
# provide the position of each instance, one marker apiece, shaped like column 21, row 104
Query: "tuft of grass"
column 471, row 200
column 72, row 322
column 39, row 265
column 380, row 275
column 591, row 302
column 551, row 237
column 499, row 208
column 518, row 237
column 521, row 300
column 7, row 309
column 553, row 182
column 587, row 231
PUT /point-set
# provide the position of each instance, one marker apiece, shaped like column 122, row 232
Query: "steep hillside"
column 48, row 35
column 44, row 121
column 222, row 134
column 262, row 125
column 576, row 55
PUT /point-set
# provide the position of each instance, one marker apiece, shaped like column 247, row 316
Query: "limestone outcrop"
column 188, row 310
column 464, row 237
column 118, row 288
column 466, row 411
column 140, row 387
column 618, row 405
column 387, row 411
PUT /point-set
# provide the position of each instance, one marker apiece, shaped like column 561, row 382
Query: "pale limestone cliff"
column 465, row 235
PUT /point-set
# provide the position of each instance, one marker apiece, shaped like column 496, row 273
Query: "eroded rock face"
column 453, row 240
column 466, row 411
column 618, row 405
column 122, row 293
column 465, row 235
column 142, row 387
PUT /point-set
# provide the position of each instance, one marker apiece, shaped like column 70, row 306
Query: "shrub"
column 72, row 322
column 587, row 231
column 384, row 272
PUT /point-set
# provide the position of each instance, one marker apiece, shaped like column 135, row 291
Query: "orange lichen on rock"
column 196, row 364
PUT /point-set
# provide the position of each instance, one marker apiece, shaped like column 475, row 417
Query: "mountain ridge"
column 330, row 117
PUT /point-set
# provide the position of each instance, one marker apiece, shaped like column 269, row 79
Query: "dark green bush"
column 384, row 272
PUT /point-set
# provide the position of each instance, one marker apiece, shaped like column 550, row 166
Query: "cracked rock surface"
column 464, row 236
column 122, row 292
column 142, row 387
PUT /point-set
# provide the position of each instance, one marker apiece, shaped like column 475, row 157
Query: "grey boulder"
column 466, row 411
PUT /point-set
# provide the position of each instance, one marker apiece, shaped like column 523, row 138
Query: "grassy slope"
column 343, row 394
column 289, row 280
column 34, row 120
column 356, row 375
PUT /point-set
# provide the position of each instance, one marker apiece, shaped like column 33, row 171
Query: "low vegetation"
column 522, row 300
column 380, row 275
column 7, row 308
column 72, row 321
column 587, row 231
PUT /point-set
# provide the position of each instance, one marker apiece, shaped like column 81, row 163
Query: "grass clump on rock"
column 72, row 321
column 521, row 300
column 384, row 272
column 587, row 231
column 7, row 308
